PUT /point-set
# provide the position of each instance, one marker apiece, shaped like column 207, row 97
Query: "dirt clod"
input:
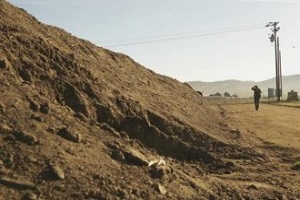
column 44, row 108
column 162, row 189
column 17, row 183
column 118, row 155
column 30, row 196
column 25, row 137
column 135, row 157
column 70, row 134
column 57, row 171
column 3, row 63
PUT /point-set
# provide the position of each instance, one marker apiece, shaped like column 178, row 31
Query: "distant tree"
column 226, row 94
column 235, row 96
column 218, row 94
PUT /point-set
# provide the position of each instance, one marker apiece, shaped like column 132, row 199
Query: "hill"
column 242, row 88
column 82, row 122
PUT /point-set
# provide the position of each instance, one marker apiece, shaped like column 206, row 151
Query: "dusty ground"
column 275, row 131
column 273, row 123
column 81, row 122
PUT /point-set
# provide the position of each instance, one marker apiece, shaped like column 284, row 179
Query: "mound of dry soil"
column 81, row 122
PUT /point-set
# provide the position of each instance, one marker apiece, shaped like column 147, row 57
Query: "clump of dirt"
column 81, row 122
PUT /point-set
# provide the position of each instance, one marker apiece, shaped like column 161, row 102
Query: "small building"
column 271, row 92
column 292, row 96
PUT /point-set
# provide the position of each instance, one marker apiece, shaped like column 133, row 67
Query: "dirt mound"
column 82, row 122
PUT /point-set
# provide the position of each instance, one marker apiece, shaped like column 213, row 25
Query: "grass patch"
column 296, row 166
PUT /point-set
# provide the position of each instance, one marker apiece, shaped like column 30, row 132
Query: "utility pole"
column 280, row 73
column 279, row 70
column 275, row 39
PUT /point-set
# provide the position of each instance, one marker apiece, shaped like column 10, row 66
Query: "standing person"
column 257, row 93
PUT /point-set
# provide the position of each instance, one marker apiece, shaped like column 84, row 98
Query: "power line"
column 180, row 36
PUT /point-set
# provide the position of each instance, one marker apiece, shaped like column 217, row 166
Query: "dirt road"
column 274, row 131
column 275, row 124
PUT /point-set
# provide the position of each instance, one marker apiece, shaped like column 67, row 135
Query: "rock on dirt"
column 117, row 155
column 5, row 129
column 3, row 63
column 111, row 130
column 53, row 172
column 34, row 106
column 2, row 107
column 57, row 171
column 30, row 196
column 45, row 108
column 135, row 157
column 17, row 183
column 25, row 137
column 81, row 116
column 160, row 172
column 69, row 134
column 161, row 189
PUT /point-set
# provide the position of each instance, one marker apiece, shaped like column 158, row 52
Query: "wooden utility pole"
column 280, row 74
column 279, row 71
column 274, row 38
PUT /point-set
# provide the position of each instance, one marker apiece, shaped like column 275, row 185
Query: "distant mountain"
column 243, row 88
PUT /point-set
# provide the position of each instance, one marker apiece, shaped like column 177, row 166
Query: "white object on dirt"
column 156, row 163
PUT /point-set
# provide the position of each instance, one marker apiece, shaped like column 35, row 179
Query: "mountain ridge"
column 243, row 88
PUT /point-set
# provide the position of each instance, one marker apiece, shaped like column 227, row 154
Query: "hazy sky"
column 206, row 40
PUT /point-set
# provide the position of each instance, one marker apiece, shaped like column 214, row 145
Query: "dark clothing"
column 257, row 96
column 256, row 102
